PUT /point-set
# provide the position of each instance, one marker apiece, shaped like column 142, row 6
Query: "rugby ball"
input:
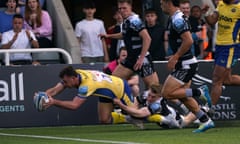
column 39, row 99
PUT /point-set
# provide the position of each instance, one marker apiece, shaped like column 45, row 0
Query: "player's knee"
column 105, row 120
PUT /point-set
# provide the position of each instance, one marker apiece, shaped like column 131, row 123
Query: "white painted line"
column 69, row 139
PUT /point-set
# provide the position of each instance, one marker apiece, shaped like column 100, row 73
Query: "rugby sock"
column 118, row 118
column 193, row 92
column 156, row 118
column 183, row 108
column 202, row 116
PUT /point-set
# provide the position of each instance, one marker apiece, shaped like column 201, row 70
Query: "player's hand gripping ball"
column 39, row 99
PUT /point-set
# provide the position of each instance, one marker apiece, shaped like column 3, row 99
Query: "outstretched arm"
column 71, row 105
column 139, row 113
column 55, row 90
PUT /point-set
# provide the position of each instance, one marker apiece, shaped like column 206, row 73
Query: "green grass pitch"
column 117, row 134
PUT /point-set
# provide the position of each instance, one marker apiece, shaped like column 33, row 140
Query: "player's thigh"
column 170, row 85
column 122, row 72
column 104, row 112
column 219, row 73
column 151, row 79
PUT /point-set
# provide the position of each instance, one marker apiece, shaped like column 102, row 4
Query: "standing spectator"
column 156, row 32
column 19, row 38
column 183, row 65
column 93, row 49
column 185, row 7
column 199, row 31
column 39, row 22
column 227, row 45
column 114, row 45
column 137, row 42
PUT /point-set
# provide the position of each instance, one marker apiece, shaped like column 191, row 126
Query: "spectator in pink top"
column 39, row 22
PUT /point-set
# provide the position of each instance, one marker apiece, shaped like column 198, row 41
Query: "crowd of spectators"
column 37, row 22
column 92, row 47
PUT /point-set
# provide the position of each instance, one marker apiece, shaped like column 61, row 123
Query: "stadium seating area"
column 63, row 35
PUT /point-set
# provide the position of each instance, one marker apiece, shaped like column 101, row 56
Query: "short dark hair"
column 175, row 3
column 17, row 16
column 89, row 5
column 195, row 6
column 68, row 71
column 184, row 1
column 156, row 88
column 150, row 10
column 127, row 1
column 15, row 1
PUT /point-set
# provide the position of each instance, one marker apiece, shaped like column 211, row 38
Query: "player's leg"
column 174, row 89
column 150, row 79
column 218, row 77
column 231, row 79
column 188, row 119
column 105, row 107
column 122, row 72
column 148, row 74
column 225, row 58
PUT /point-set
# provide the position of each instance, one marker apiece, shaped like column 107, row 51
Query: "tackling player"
column 152, row 109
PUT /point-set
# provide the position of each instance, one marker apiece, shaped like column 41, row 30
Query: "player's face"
column 185, row 8
column 152, row 97
column 70, row 81
column 125, row 9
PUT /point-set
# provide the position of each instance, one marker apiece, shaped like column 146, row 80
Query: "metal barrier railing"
column 35, row 50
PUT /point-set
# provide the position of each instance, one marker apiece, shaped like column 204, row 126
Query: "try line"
column 69, row 139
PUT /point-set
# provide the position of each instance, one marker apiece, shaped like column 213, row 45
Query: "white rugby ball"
column 39, row 99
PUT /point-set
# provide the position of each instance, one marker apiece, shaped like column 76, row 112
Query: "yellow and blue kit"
column 227, row 40
column 96, row 83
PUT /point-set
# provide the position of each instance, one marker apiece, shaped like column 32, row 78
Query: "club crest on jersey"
column 233, row 10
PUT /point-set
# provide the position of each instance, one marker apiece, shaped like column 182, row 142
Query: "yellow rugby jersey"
column 97, row 83
column 228, row 23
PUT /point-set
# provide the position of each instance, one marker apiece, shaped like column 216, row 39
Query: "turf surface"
column 117, row 134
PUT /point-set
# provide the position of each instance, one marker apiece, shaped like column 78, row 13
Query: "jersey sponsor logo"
column 225, row 18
